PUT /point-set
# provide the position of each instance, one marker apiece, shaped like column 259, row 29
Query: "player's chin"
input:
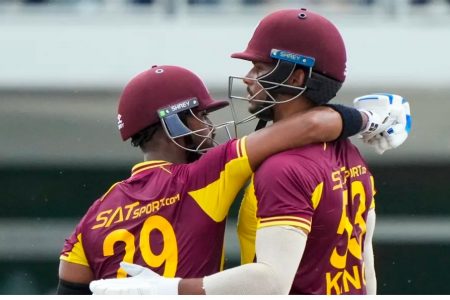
column 207, row 144
column 253, row 107
column 203, row 143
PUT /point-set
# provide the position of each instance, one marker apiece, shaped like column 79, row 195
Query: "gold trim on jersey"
column 317, row 195
column 222, row 259
column 146, row 165
column 243, row 146
column 140, row 167
column 372, row 203
column 238, row 148
column 246, row 226
column 216, row 198
column 76, row 255
column 302, row 225
column 285, row 220
column 109, row 190
column 294, row 218
column 164, row 169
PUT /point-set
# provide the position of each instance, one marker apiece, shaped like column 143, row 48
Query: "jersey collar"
column 146, row 165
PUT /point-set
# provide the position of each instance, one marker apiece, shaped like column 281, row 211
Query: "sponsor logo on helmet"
column 178, row 107
column 303, row 60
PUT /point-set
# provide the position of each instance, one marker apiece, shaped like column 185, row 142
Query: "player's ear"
column 297, row 78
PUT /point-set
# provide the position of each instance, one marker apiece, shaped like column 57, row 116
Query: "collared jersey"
column 326, row 190
column 168, row 217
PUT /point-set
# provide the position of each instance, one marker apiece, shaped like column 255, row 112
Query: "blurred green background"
column 63, row 64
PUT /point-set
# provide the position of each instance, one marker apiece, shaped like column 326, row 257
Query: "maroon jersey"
column 326, row 190
column 170, row 218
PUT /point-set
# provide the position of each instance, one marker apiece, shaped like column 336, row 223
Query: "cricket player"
column 170, row 214
column 307, row 219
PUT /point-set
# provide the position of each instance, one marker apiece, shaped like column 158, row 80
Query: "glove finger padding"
column 378, row 143
column 396, row 135
column 389, row 120
column 376, row 103
column 96, row 287
column 375, row 124
column 103, row 286
column 124, row 286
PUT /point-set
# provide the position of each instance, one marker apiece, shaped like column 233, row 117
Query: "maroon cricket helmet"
column 157, row 88
column 302, row 32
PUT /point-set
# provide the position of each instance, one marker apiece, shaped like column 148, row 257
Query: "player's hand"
column 143, row 282
column 389, row 120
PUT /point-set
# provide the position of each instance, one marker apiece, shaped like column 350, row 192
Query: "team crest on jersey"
column 120, row 123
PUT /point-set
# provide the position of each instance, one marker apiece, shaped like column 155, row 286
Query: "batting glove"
column 389, row 120
column 143, row 282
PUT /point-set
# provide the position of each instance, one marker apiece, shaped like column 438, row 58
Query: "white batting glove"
column 143, row 282
column 389, row 120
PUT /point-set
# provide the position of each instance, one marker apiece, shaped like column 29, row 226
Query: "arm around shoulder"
column 319, row 124
column 279, row 250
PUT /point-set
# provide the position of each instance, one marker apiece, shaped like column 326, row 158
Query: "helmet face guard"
column 272, row 84
column 172, row 122
column 307, row 40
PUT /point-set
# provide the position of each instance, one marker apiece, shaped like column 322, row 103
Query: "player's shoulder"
column 290, row 165
column 109, row 199
column 213, row 162
column 295, row 158
column 103, row 206
column 230, row 149
column 344, row 144
column 230, row 145
column 348, row 149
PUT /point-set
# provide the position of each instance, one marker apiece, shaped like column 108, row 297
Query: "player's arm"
column 371, row 279
column 319, row 124
column 74, row 279
column 215, row 179
column 383, row 120
column 278, row 247
column 74, row 271
column 279, row 250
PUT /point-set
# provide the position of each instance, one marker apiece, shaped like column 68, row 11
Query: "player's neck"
column 174, row 158
column 285, row 110
column 160, row 147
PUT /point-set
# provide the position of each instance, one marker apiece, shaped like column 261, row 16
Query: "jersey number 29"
column 168, row 255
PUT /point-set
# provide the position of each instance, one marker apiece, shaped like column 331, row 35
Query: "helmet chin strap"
column 261, row 124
